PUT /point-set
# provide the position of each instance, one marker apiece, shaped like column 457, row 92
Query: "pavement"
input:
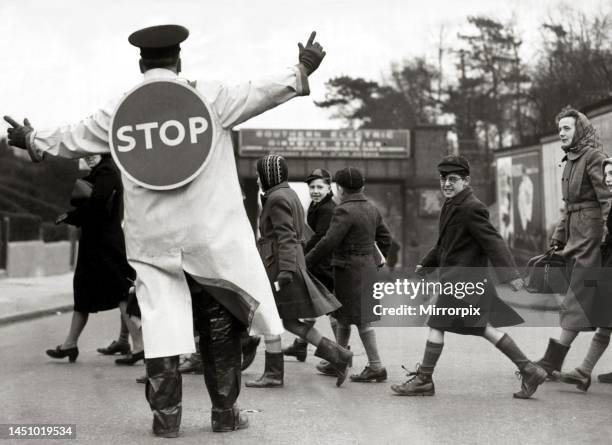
column 27, row 298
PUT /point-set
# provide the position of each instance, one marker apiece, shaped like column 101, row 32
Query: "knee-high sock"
column 431, row 356
column 368, row 338
column 273, row 344
column 512, row 351
column 598, row 345
column 343, row 334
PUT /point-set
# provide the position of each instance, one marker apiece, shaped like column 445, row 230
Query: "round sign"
column 161, row 134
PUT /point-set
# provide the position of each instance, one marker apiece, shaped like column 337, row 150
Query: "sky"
column 65, row 58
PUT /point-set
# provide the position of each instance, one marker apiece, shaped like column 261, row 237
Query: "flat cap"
column 350, row 178
column 454, row 164
column 159, row 41
column 319, row 173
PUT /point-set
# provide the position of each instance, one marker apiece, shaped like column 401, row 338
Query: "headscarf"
column 272, row 170
column 585, row 135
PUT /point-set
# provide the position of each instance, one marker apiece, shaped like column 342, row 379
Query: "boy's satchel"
column 548, row 274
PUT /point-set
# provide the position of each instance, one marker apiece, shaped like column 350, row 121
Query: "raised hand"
column 311, row 55
column 18, row 134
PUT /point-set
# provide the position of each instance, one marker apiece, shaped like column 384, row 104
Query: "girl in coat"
column 580, row 233
column 297, row 293
column 581, row 375
column 101, row 278
column 355, row 227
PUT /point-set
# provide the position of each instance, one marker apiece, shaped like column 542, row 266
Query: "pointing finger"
column 12, row 121
column 311, row 38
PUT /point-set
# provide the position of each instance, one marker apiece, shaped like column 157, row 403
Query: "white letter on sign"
column 197, row 125
column 147, row 131
column 179, row 137
column 131, row 142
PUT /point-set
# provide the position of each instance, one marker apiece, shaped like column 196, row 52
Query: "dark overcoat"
column 581, row 230
column 319, row 217
column 102, row 271
column 355, row 226
column 466, row 243
column 281, row 227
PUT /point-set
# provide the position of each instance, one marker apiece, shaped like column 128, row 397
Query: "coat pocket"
column 266, row 252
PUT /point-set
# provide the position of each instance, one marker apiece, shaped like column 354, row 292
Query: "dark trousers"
column 220, row 346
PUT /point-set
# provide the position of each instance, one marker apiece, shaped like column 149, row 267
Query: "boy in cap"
column 355, row 227
column 318, row 218
column 193, row 229
column 466, row 242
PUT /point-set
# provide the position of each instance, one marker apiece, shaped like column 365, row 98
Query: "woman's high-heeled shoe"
column 58, row 352
column 130, row 359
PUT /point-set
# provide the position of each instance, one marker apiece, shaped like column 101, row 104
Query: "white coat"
column 201, row 228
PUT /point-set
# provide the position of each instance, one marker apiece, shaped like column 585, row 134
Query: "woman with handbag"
column 102, row 274
column 581, row 375
column 579, row 235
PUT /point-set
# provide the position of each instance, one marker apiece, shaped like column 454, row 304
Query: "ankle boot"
column 273, row 372
column 605, row 378
column 336, row 355
column 225, row 420
column 420, row 383
column 553, row 357
column 576, row 377
column 164, row 394
column 249, row 350
column 370, row 375
column 299, row 350
column 532, row 375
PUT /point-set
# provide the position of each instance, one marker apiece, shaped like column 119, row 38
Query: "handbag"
column 80, row 192
column 548, row 273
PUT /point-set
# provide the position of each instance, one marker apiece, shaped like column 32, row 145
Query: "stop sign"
column 161, row 134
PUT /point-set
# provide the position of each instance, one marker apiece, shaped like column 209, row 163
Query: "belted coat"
column 355, row 226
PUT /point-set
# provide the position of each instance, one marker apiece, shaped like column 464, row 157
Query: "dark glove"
column 18, row 135
column 558, row 245
column 311, row 55
column 284, row 278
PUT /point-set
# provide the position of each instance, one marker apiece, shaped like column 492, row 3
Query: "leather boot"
column 553, row 357
column 299, row 350
column 220, row 346
column 576, row 377
column 226, row 420
column 532, row 375
column 420, row 383
column 249, row 350
column 325, row 368
column 273, row 372
column 336, row 355
column 164, row 393
column 370, row 375
column 605, row 378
